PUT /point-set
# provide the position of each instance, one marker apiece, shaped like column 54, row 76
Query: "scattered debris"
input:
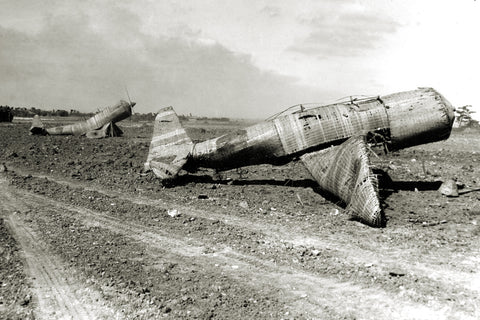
column 431, row 224
column 299, row 199
column 396, row 273
column 449, row 188
column 26, row 300
column 243, row 204
column 173, row 213
column 334, row 212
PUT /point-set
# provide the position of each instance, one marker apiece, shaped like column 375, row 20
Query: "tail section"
column 170, row 146
column 37, row 126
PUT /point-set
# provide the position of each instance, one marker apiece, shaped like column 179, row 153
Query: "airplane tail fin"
column 37, row 126
column 170, row 146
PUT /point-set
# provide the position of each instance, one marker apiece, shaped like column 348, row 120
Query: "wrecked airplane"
column 332, row 141
column 100, row 125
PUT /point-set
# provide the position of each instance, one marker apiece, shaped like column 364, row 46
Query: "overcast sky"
column 234, row 58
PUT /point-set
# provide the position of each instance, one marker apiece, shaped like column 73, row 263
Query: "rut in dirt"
column 57, row 294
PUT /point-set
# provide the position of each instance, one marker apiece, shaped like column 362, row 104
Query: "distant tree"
column 6, row 114
column 183, row 117
column 21, row 112
column 61, row 113
column 143, row 117
column 464, row 117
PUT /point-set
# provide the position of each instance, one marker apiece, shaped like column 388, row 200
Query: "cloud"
column 344, row 33
column 85, row 60
column 271, row 11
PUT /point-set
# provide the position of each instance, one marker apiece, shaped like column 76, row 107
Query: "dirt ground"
column 86, row 234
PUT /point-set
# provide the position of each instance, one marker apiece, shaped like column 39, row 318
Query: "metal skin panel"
column 328, row 125
column 290, row 135
column 256, row 144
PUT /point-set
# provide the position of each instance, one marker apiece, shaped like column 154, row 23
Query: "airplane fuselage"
column 401, row 120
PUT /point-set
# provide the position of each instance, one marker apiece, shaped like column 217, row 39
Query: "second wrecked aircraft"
column 100, row 125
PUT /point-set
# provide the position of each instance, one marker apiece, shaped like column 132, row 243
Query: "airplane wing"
column 110, row 129
column 345, row 172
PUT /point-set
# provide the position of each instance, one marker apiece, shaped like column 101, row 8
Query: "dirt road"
column 57, row 292
column 261, row 243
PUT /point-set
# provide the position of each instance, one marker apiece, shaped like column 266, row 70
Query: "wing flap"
column 345, row 171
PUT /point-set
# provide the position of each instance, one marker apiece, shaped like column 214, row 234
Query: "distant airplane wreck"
column 100, row 125
column 332, row 141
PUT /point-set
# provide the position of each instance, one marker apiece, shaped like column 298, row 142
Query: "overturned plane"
column 100, row 125
column 332, row 141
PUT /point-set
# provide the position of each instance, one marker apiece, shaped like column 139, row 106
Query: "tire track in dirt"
column 382, row 260
column 56, row 292
column 301, row 290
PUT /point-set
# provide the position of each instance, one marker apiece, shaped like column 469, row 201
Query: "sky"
column 234, row 58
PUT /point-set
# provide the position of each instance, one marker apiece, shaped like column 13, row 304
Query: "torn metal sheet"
column 100, row 125
column 396, row 121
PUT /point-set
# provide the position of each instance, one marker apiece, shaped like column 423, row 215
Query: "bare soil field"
column 85, row 233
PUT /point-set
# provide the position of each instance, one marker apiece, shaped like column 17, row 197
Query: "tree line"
column 30, row 112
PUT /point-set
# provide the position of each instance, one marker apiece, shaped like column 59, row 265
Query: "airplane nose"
column 449, row 110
